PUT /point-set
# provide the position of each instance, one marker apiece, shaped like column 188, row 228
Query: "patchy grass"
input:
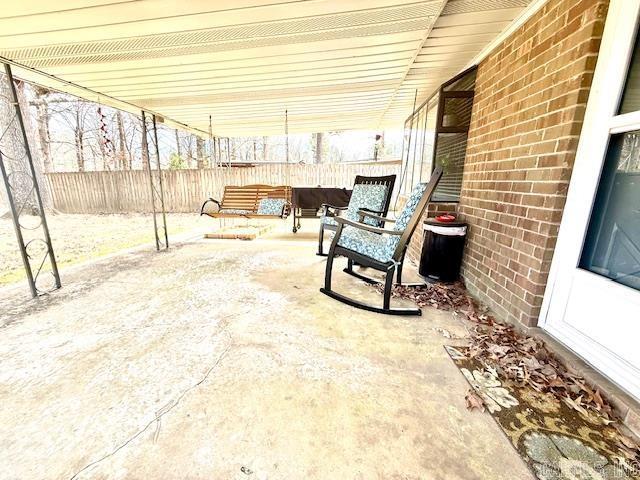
column 77, row 238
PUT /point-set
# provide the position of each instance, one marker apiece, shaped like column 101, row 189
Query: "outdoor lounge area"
column 320, row 239
column 212, row 376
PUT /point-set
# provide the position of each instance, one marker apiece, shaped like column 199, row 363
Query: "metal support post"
column 156, row 185
column 22, row 188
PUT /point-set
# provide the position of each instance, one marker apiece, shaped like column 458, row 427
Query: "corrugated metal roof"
column 349, row 64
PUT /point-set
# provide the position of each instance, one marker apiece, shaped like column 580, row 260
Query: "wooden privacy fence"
column 185, row 190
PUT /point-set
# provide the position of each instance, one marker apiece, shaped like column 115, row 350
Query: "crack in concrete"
column 159, row 414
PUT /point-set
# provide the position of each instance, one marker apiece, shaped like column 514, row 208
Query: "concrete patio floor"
column 221, row 360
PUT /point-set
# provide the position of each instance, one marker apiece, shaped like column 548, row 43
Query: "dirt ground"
column 77, row 238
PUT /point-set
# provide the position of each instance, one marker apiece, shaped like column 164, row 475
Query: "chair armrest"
column 326, row 205
column 364, row 226
column 333, row 206
column 365, row 212
column 371, row 210
column 202, row 212
column 286, row 210
column 325, row 209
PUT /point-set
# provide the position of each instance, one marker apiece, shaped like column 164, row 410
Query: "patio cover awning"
column 333, row 64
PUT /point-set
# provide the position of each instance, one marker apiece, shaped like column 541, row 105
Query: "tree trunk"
column 42, row 122
column 122, row 158
column 234, row 149
column 318, row 149
column 103, row 153
column 200, row 152
column 190, row 150
column 145, row 149
column 178, row 149
column 265, row 149
column 378, row 148
column 79, row 149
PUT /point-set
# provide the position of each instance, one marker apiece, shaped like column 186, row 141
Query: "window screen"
column 436, row 134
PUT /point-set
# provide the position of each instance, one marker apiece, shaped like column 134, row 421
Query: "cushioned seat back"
column 410, row 207
column 272, row 206
column 367, row 196
column 388, row 181
column 403, row 219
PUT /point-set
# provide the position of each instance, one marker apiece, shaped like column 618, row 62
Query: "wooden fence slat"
column 185, row 190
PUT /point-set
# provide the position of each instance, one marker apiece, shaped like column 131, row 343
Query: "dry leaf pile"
column 523, row 359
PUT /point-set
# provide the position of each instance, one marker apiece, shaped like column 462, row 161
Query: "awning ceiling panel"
column 349, row 64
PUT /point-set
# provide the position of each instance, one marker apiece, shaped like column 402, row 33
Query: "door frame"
column 599, row 124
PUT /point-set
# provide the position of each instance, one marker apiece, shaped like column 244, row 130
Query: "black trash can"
column 442, row 249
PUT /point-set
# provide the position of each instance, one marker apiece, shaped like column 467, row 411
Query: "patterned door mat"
column 556, row 441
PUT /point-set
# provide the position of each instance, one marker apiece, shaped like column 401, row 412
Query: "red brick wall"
column 528, row 110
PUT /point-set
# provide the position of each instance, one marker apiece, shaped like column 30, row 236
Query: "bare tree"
column 125, row 163
column 200, row 152
column 265, row 148
column 42, row 122
column 188, row 143
column 79, row 118
column 318, row 148
column 178, row 149
column 13, row 147
column 131, row 134
column 145, row 147
column 79, row 137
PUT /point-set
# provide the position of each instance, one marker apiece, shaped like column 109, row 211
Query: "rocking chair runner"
column 379, row 248
column 371, row 200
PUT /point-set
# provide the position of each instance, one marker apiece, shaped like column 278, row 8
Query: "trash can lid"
column 455, row 223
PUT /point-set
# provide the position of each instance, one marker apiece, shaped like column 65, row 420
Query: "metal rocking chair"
column 379, row 248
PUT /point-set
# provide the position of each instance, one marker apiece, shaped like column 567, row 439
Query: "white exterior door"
column 592, row 301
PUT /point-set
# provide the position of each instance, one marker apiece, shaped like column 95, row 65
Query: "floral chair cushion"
column 271, row 206
column 327, row 220
column 410, row 207
column 367, row 196
column 367, row 243
column 381, row 247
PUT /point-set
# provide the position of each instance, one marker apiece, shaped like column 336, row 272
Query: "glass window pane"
column 631, row 96
column 411, row 154
column 468, row 82
column 457, row 112
column 612, row 244
column 405, row 158
column 450, row 153
column 429, row 138
column 419, row 145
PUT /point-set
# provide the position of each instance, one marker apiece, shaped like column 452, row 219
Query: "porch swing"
column 251, row 201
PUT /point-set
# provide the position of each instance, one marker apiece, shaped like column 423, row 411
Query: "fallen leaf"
column 444, row 332
column 474, row 401
column 523, row 359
